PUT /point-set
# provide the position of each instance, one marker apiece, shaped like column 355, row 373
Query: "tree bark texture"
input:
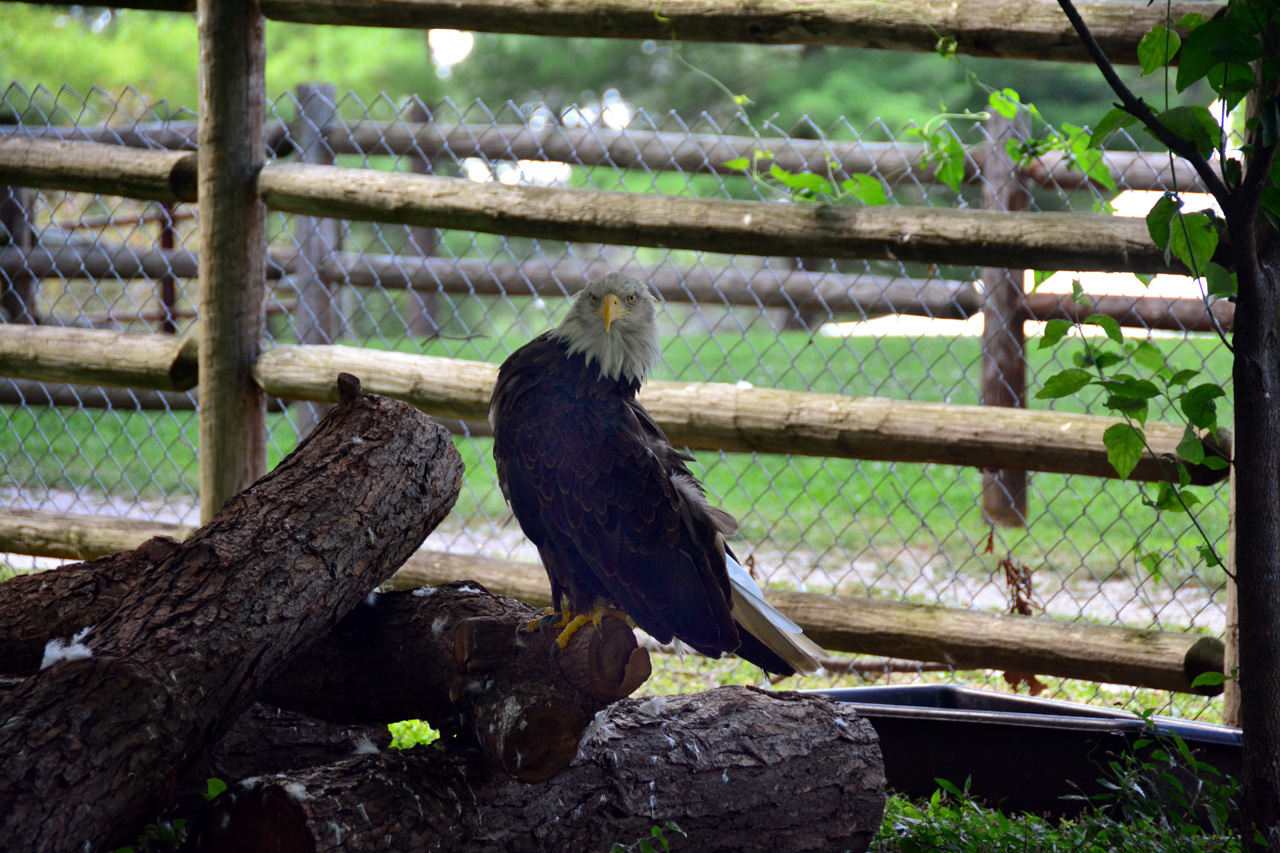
column 461, row 659
column 736, row 768
column 453, row 655
column 94, row 742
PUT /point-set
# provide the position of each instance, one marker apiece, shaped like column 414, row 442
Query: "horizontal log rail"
column 711, row 416
column 98, row 357
column 963, row 639
column 868, row 296
column 691, row 153
column 1026, row 29
column 1047, row 241
column 702, row 416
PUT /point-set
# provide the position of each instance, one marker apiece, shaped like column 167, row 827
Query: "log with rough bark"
column 735, row 768
column 461, row 659
column 95, row 741
column 453, row 655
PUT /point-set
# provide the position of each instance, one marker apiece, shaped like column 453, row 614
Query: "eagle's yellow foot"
column 550, row 618
column 594, row 616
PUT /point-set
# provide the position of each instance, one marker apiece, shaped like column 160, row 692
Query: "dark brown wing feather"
column 589, row 477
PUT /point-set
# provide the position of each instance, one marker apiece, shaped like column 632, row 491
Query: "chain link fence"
column 911, row 532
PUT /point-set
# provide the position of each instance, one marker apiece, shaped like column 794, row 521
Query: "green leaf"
column 214, row 787
column 950, row 158
column 1108, row 324
column 1129, row 386
column 1144, row 277
column 1209, row 679
column 1209, row 555
column 1160, row 220
column 1216, row 463
column 1054, row 331
column 1148, row 355
column 1005, row 102
column 866, row 189
column 1219, row 283
column 1115, row 119
column 804, row 185
column 1231, row 82
column 1189, row 21
column 1064, row 384
column 1196, row 125
column 1182, row 377
column 1134, row 407
column 1124, row 444
column 1198, row 405
column 1157, row 48
column 737, row 163
column 1151, row 562
column 1193, row 239
column 1211, row 44
column 1191, row 448
column 1039, row 277
column 1078, row 296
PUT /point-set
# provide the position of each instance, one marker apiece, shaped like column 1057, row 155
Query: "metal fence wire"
column 912, row 532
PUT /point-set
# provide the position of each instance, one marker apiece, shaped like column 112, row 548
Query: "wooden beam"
column 711, row 416
column 1050, row 241
column 94, row 167
column 98, row 357
column 867, row 296
column 654, row 150
column 233, row 240
column 1143, row 312
column 962, row 639
column 1047, row 241
column 1028, row 29
column 1016, row 29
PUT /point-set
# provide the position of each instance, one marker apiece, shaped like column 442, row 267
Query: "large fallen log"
column 735, row 768
column 461, row 659
column 95, row 741
column 453, row 655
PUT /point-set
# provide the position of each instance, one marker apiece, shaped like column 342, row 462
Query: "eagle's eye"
column 594, row 299
column 631, row 299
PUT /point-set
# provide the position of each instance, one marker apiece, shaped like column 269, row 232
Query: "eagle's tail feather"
column 773, row 629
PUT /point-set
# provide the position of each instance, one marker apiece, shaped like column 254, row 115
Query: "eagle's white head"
column 613, row 321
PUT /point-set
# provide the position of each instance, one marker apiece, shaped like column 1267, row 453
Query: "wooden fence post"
column 422, row 306
column 168, row 283
column 314, row 318
column 233, row 412
column 1004, row 492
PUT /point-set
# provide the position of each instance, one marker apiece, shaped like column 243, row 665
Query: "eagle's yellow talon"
column 597, row 613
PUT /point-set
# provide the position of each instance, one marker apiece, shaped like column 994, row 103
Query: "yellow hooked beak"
column 610, row 310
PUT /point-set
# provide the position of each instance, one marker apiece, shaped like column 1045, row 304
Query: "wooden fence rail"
column 962, row 639
column 1027, row 29
column 703, row 416
column 1046, row 241
column 690, row 153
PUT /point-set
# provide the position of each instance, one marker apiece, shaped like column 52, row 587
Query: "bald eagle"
column 618, row 518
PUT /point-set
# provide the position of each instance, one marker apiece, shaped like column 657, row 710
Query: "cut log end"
column 348, row 387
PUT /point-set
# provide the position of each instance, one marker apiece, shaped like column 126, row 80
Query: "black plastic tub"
column 1023, row 753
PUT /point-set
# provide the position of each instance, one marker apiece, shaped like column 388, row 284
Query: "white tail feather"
column 783, row 637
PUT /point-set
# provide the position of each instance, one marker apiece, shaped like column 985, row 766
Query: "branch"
column 1136, row 107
